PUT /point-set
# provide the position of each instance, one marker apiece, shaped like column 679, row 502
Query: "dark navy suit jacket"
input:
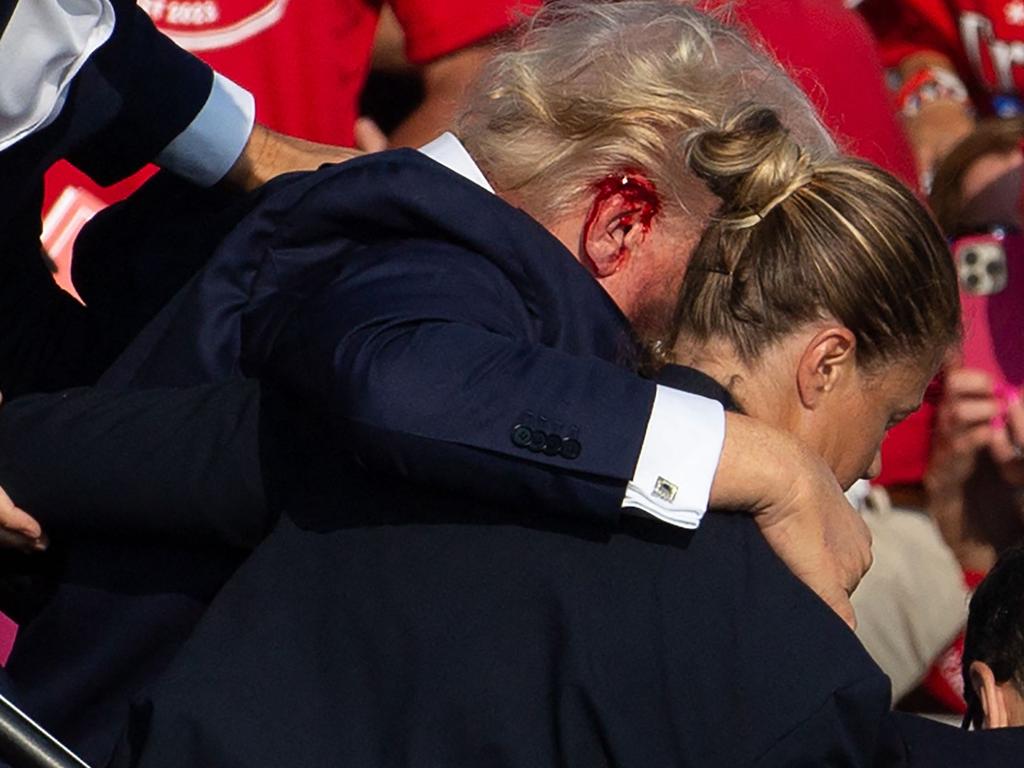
column 426, row 632
column 425, row 327
column 444, row 336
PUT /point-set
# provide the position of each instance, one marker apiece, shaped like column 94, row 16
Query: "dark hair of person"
column 995, row 629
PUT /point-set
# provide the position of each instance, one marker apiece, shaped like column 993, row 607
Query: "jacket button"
column 521, row 436
column 571, row 448
column 553, row 445
column 537, row 441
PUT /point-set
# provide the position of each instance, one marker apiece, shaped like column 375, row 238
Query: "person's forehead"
column 991, row 189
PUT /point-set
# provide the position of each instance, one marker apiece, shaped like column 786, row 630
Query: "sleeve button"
column 553, row 445
column 538, row 440
column 571, row 448
column 521, row 436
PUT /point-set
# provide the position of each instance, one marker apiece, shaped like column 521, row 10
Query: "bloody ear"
column 637, row 192
column 620, row 203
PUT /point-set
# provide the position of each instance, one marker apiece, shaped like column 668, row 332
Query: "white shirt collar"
column 447, row 150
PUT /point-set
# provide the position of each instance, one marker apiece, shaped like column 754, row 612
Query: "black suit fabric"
column 304, row 292
column 161, row 495
column 447, row 635
column 447, row 337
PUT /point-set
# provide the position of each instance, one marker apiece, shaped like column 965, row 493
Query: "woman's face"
column 850, row 422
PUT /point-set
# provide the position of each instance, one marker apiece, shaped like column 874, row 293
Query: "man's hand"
column 268, row 154
column 799, row 506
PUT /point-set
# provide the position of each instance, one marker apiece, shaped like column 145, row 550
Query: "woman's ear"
column 991, row 695
column 827, row 359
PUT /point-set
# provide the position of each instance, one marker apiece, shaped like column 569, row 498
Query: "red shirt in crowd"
column 983, row 38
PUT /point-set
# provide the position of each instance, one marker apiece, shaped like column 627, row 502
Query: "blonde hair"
column 592, row 89
column 798, row 239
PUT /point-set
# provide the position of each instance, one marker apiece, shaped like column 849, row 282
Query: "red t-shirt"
column 305, row 61
column 983, row 38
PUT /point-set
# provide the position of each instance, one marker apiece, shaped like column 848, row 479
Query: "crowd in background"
column 928, row 90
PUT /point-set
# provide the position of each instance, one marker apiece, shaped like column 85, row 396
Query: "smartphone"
column 990, row 266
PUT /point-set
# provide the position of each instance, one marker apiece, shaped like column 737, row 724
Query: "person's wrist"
column 760, row 467
column 244, row 173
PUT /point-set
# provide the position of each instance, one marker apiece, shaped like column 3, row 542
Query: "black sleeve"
column 135, row 94
column 166, row 463
column 425, row 365
column 149, row 89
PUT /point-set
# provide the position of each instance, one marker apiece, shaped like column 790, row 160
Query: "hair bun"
column 750, row 162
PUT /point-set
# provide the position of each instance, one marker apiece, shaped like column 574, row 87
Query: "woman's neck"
column 756, row 389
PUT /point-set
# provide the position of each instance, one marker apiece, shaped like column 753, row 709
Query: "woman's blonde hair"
column 798, row 239
column 590, row 89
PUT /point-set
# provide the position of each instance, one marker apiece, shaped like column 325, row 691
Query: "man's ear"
column 617, row 223
column 991, row 694
column 829, row 355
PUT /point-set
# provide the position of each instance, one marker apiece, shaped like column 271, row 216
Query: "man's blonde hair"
column 591, row 89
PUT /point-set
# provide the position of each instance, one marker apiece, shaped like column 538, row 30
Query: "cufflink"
column 663, row 489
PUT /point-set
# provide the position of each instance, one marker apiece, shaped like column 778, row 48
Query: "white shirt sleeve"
column 45, row 44
column 214, row 140
column 678, row 458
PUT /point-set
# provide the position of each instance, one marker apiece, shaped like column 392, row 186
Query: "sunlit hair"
column 798, row 239
column 590, row 89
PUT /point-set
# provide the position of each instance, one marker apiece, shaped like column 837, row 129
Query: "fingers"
column 1005, row 445
column 968, row 382
column 369, row 137
column 18, row 528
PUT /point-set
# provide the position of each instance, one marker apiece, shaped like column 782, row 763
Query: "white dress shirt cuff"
column 678, row 458
column 205, row 151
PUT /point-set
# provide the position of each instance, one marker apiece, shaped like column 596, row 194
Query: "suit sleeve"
column 431, row 369
column 134, row 95
column 171, row 463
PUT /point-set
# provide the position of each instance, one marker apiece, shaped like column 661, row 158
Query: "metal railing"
column 26, row 744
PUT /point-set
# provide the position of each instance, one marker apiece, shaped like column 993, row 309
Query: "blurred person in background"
column 975, row 475
column 993, row 661
column 954, row 60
